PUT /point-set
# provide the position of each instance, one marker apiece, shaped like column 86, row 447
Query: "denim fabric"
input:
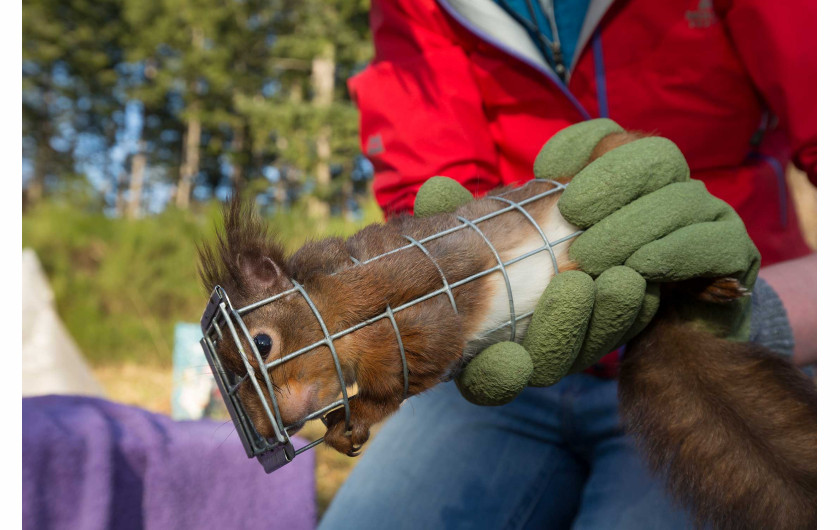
column 770, row 326
column 553, row 458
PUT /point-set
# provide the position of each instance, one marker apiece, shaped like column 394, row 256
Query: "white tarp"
column 52, row 363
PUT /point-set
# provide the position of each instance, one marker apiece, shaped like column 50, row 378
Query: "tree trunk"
column 323, row 77
column 119, row 198
column 35, row 187
column 138, row 171
column 280, row 192
column 190, row 159
column 190, row 155
column 238, row 145
column 323, row 150
column 323, row 84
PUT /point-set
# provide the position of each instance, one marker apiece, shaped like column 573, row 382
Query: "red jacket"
column 732, row 83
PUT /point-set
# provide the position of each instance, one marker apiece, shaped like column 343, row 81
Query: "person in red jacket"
column 470, row 97
column 472, row 90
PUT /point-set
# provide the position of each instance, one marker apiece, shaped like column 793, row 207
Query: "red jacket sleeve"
column 777, row 40
column 421, row 111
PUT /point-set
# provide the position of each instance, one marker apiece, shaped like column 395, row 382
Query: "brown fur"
column 611, row 141
column 732, row 426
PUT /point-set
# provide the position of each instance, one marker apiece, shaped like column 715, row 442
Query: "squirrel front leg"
column 375, row 363
column 364, row 412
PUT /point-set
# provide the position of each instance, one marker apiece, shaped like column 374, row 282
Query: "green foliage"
column 71, row 50
column 121, row 285
column 242, row 72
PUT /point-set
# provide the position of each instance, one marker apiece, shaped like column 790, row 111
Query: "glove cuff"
column 770, row 326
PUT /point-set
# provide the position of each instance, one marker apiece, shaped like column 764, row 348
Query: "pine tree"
column 223, row 88
column 71, row 52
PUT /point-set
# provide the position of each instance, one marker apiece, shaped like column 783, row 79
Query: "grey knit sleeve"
column 769, row 325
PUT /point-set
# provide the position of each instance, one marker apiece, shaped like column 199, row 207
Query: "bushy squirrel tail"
column 732, row 427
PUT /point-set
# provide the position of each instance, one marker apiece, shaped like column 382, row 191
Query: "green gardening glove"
column 661, row 224
column 647, row 223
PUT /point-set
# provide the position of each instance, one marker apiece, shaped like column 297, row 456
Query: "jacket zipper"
column 486, row 38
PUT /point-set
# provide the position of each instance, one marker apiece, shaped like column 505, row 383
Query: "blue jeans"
column 553, row 458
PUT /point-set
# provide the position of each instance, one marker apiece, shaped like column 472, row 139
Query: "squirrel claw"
column 346, row 441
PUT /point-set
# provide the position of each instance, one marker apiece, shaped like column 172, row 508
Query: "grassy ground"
column 141, row 385
column 121, row 285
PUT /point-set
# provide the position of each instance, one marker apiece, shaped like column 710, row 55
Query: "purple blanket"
column 90, row 464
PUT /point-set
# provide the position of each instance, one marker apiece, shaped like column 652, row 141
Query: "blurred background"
column 139, row 118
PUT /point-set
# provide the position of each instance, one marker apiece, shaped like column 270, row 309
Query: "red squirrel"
column 732, row 426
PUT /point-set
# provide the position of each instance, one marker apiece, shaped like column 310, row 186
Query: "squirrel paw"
column 348, row 442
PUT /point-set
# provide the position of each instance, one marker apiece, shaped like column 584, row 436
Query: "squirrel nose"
column 295, row 401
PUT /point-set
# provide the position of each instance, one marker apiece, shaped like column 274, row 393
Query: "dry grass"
column 146, row 386
column 331, row 467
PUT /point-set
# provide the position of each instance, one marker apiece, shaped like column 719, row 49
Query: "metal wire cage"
column 220, row 316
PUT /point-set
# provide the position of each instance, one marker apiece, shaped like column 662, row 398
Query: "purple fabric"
column 90, row 463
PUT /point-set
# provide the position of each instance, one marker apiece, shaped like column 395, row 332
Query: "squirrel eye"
column 263, row 343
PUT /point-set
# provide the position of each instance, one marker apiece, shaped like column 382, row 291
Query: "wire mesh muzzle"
column 220, row 316
column 276, row 451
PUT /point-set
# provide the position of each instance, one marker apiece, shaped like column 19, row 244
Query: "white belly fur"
column 528, row 279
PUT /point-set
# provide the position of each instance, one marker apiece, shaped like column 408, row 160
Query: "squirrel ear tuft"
column 262, row 271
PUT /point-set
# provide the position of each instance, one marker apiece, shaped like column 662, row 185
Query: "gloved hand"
column 647, row 223
column 640, row 209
